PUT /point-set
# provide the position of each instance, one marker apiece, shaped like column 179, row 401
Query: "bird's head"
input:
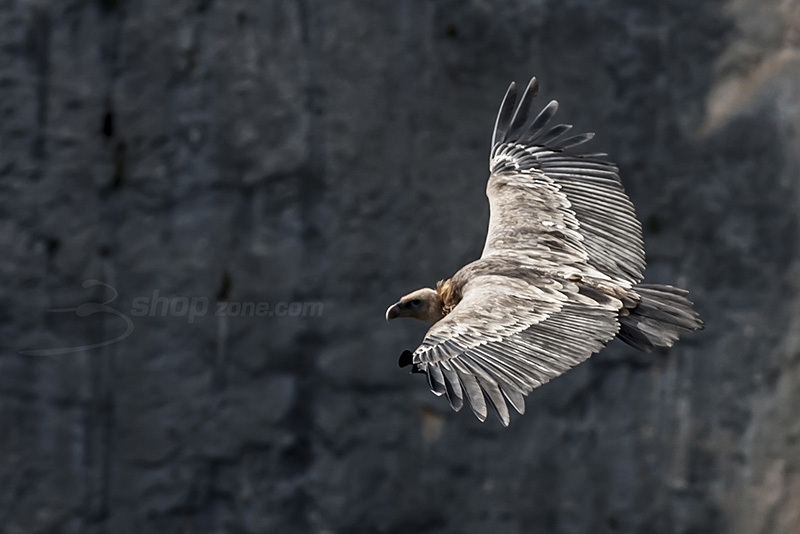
column 423, row 304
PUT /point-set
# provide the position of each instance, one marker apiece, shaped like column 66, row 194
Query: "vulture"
column 559, row 277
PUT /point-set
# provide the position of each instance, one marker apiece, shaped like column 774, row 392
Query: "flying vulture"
column 559, row 276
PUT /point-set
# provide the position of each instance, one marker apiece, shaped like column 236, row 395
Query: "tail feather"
column 661, row 316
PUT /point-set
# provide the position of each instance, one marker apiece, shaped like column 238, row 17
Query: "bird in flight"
column 559, row 276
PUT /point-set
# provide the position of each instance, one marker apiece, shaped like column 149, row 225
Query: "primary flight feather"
column 559, row 276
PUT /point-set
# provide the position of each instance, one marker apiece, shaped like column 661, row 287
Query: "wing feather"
column 521, row 113
column 515, row 398
column 540, row 121
column 554, row 133
column 472, row 389
column 496, row 399
column 436, row 379
column 575, row 140
column 504, row 115
column 455, row 394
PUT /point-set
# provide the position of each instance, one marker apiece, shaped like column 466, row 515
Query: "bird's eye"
column 415, row 302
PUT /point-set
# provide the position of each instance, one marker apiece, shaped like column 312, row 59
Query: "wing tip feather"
column 406, row 359
column 504, row 114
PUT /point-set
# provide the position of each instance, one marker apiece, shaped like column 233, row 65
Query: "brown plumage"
column 559, row 276
column 449, row 294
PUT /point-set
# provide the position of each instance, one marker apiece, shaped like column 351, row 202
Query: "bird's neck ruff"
column 449, row 293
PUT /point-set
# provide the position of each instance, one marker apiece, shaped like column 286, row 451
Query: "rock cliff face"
column 187, row 153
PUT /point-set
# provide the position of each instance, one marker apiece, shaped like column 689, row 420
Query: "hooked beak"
column 394, row 311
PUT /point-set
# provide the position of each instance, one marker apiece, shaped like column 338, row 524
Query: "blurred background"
column 155, row 156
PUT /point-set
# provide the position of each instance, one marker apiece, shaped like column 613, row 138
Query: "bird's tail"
column 661, row 316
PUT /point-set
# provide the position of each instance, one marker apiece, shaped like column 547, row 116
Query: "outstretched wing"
column 555, row 207
column 511, row 334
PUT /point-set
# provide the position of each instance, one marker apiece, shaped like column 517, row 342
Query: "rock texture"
column 246, row 151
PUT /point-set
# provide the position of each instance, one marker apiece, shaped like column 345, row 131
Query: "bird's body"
column 559, row 276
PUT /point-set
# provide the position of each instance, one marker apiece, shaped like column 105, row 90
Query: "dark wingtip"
column 520, row 116
column 406, row 358
column 504, row 114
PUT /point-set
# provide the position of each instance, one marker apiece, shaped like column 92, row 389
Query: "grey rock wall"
column 191, row 152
